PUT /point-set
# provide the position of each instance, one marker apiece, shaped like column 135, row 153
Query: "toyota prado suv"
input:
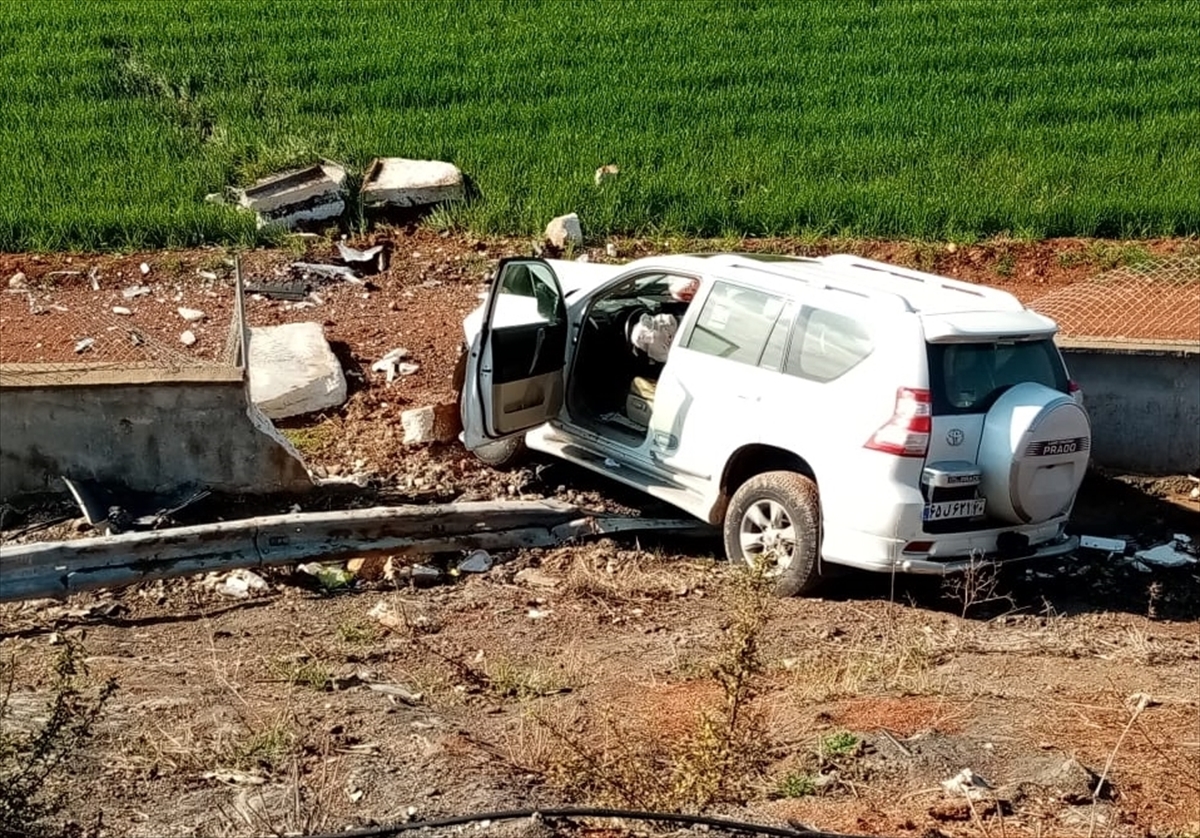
column 829, row 410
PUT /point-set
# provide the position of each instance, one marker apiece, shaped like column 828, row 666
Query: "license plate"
column 953, row 509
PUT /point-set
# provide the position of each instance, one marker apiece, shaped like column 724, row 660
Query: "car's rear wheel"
column 773, row 525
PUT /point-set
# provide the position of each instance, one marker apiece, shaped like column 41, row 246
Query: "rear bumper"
column 1050, row 550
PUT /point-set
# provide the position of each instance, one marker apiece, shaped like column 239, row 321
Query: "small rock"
column 952, row 248
column 144, row 268
column 122, row 311
column 17, row 282
column 209, row 275
column 538, row 613
column 191, row 315
column 240, row 584
column 84, row 345
column 536, row 578
column 187, row 338
column 214, row 198
column 610, row 250
column 479, row 561
column 564, row 231
column 135, row 291
column 606, row 172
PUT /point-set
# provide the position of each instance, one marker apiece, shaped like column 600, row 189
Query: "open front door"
column 515, row 368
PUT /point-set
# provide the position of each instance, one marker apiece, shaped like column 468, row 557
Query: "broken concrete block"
column 400, row 182
column 294, row 197
column 293, row 371
column 565, row 231
column 432, row 423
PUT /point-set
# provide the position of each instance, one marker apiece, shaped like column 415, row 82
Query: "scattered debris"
column 211, row 276
column 237, row 584
column 606, row 172
column 610, row 250
column 188, row 338
column 564, row 232
column 144, row 268
column 234, row 778
column 387, row 616
column 372, row 260
column 1108, row 545
column 1072, row 783
column 293, row 371
column 125, row 312
column 17, row 282
column 1173, row 554
column 330, row 578
column 84, row 345
column 285, row 291
column 536, row 578
column 327, row 271
column 191, row 315
column 479, row 561
column 293, row 197
column 135, row 291
column 94, row 276
column 966, row 783
column 401, row 182
column 392, row 365
column 406, row 696
column 538, row 613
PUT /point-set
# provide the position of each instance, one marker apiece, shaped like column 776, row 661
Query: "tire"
column 503, row 454
column 771, row 504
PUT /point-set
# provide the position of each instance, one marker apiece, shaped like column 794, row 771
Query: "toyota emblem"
column 955, row 437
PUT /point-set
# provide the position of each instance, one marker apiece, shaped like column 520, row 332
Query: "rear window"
column 969, row 377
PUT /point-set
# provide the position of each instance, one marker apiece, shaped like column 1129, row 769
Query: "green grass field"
column 901, row 118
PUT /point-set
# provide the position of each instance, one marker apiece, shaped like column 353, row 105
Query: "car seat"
column 639, row 403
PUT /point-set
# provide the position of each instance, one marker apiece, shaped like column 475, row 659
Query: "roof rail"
column 809, row 271
column 849, row 260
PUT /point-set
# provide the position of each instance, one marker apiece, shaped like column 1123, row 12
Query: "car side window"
column 827, row 345
column 735, row 323
column 772, row 355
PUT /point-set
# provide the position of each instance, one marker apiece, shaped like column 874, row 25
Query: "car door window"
column 772, row 355
column 735, row 323
column 527, row 297
column 827, row 345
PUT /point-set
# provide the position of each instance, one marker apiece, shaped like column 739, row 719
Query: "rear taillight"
column 1073, row 387
column 907, row 433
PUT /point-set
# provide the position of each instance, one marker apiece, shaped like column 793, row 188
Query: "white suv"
column 833, row 409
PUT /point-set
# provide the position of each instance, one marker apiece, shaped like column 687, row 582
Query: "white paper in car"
column 653, row 335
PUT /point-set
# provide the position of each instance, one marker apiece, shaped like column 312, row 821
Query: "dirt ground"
column 601, row 673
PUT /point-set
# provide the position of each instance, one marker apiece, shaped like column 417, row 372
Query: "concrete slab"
column 293, row 197
column 401, row 182
column 293, row 371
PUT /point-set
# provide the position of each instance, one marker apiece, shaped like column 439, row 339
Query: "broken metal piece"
column 372, row 260
column 284, row 291
column 327, row 271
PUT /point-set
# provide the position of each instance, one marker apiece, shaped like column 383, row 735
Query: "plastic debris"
column 330, row 578
column 1110, row 545
column 373, row 258
column 84, row 345
column 391, row 364
column 238, row 584
column 966, row 783
column 1166, row 555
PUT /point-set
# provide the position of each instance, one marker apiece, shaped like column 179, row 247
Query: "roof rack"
column 928, row 281
column 809, row 271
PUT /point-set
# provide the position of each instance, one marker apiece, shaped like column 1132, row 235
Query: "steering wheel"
column 631, row 320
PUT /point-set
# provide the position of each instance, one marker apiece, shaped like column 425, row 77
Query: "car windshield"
column 969, row 377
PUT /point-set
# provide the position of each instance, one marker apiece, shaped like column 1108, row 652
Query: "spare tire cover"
column 1033, row 453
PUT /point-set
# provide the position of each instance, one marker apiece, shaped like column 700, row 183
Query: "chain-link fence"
column 52, row 343
column 1154, row 301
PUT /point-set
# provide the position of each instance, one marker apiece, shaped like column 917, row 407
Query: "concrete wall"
column 1144, row 402
column 148, row 430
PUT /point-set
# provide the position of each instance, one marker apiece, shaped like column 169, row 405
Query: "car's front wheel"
column 773, row 524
